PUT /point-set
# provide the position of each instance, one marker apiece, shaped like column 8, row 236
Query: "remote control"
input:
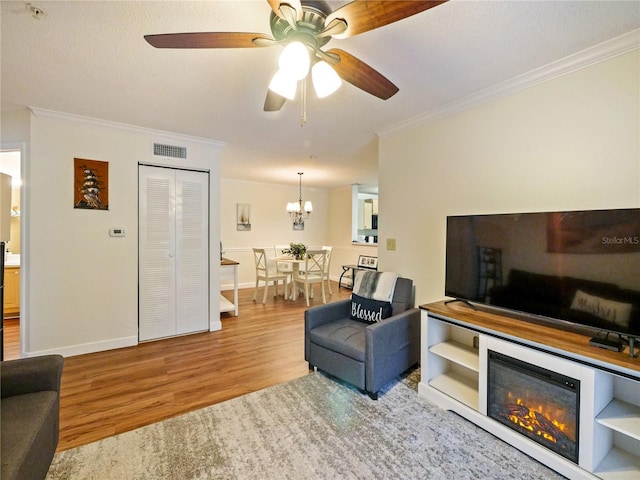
column 608, row 344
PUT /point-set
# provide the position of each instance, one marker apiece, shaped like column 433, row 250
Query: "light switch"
column 116, row 232
column 391, row 243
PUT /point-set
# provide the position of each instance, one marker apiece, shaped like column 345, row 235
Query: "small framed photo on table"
column 368, row 262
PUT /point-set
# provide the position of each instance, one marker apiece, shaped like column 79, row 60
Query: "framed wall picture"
column 368, row 262
column 91, row 184
column 243, row 217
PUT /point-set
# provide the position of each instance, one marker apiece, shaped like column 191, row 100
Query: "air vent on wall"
column 171, row 151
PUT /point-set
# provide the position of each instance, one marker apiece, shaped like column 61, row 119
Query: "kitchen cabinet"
column 11, row 292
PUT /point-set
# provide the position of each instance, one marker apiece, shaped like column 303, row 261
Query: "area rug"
column 310, row 428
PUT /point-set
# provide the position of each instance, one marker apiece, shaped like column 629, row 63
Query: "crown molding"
column 604, row 51
column 44, row 113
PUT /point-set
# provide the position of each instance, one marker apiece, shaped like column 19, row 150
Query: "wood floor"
column 111, row 392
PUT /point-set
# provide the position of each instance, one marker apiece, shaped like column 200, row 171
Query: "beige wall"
column 329, row 224
column 570, row 143
column 270, row 222
column 80, row 285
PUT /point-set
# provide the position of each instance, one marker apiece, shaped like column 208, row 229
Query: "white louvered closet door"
column 192, row 251
column 173, row 252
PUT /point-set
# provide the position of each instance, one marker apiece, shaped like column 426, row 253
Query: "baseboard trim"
column 84, row 348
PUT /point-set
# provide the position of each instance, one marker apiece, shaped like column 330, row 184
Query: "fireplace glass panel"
column 540, row 404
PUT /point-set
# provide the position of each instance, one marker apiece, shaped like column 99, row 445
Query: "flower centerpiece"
column 296, row 250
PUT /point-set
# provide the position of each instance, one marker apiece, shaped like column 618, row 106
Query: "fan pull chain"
column 303, row 115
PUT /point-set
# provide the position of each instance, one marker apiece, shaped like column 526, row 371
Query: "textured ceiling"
column 89, row 58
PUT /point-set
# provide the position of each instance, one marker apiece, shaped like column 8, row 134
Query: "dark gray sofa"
column 30, row 412
column 368, row 356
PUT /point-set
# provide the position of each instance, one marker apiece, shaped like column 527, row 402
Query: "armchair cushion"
column 369, row 311
column 342, row 336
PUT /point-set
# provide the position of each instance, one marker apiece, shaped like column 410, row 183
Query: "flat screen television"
column 580, row 267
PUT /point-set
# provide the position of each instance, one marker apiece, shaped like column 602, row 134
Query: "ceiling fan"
column 304, row 27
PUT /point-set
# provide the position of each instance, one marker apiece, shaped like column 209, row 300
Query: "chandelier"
column 299, row 211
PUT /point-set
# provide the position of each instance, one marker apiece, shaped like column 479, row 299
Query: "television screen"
column 582, row 267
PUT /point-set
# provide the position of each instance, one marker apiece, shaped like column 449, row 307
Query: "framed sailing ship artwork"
column 91, row 184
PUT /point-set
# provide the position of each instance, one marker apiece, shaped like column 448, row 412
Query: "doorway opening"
column 10, row 164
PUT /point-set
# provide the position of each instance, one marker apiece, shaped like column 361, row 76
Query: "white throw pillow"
column 610, row 310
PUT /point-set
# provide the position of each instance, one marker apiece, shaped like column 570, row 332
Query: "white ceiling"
column 89, row 58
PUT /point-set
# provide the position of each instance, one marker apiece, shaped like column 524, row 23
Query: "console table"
column 229, row 269
column 345, row 269
column 455, row 346
column 352, row 268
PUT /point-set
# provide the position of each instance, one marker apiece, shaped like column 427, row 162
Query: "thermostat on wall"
column 116, row 232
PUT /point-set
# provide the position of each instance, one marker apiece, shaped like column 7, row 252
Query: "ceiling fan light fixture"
column 284, row 85
column 295, row 61
column 325, row 79
column 303, row 27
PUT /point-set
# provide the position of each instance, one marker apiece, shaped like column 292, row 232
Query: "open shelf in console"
column 622, row 417
column 459, row 353
column 618, row 428
column 618, row 465
column 453, row 363
column 459, row 386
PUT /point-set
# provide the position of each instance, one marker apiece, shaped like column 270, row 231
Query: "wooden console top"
column 540, row 333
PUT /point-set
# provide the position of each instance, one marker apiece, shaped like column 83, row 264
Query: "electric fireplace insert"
column 540, row 404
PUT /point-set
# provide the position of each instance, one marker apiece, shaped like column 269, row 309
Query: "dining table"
column 295, row 266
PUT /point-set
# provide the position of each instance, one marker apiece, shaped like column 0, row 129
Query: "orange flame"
column 530, row 421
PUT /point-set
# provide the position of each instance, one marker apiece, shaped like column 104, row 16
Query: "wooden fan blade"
column 206, row 40
column 295, row 4
column 361, row 75
column 273, row 102
column 362, row 16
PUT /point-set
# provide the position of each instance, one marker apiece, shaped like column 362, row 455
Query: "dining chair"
column 327, row 267
column 268, row 274
column 283, row 267
column 313, row 273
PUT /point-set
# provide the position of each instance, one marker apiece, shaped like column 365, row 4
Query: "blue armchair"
column 367, row 356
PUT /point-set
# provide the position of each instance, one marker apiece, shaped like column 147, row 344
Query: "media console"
column 457, row 345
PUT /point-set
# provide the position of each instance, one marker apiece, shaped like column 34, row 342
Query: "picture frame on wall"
column 243, row 217
column 91, row 184
column 365, row 261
